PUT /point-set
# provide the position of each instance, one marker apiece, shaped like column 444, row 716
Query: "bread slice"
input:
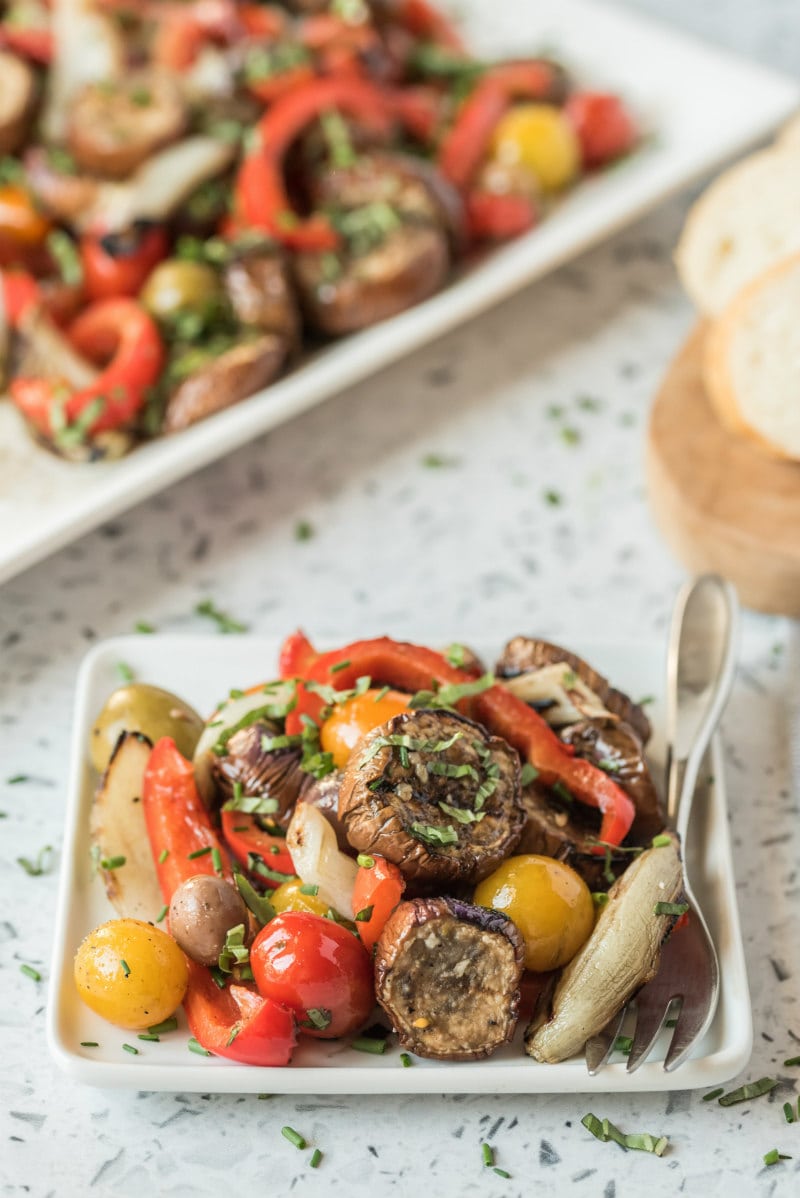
column 751, row 364
column 747, row 219
column 789, row 136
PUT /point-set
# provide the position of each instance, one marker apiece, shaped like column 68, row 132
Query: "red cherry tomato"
column 110, row 275
column 317, row 969
column 604, row 126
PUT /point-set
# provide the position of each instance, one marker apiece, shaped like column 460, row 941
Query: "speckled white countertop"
column 474, row 545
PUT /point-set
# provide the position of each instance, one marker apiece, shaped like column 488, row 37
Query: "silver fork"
column 700, row 668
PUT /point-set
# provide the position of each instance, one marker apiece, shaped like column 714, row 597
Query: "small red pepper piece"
column 118, row 329
column 464, row 148
column 110, row 275
column 413, row 667
column 20, row 292
column 36, row 44
column 297, row 656
column 428, row 23
column 492, row 217
column 243, row 836
column 260, row 197
column 380, row 887
column 235, row 1022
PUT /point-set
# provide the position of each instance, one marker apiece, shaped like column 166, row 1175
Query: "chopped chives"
column 662, row 841
column 405, row 1060
column 129, row 1048
column 199, row 853
column 788, row 1112
column 712, row 1094
column 293, row 1137
column 368, row 1044
column 166, row 1025
column 162, row 913
column 364, row 915
column 112, row 862
column 125, row 672
column 126, row 969
column 196, row 1046
column 309, row 888
column 365, row 861
column 487, row 1153
column 670, row 908
column 316, row 1157
column 89, row 1044
column 16, row 779
column 162, row 856
column 340, row 665
column 216, row 857
column 623, row 1044
column 792, row 1061
column 149, row 1036
column 751, row 1090
column 143, row 627
column 500, row 1172
column 30, row 972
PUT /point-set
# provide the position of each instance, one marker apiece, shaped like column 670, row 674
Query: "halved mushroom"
column 434, row 793
column 447, row 973
column 222, row 381
column 563, row 686
column 614, row 747
column 620, row 956
column 17, row 101
column 397, row 220
column 114, row 125
column 261, row 294
column 250, row 766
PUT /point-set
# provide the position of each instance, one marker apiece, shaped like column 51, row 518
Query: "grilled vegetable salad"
column 386, row 831
column 190, row 192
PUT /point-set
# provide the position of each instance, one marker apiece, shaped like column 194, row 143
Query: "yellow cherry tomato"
column 548, row 901
column 541, row 138
column 289, row 897
column 131, row 973
column 354, row 718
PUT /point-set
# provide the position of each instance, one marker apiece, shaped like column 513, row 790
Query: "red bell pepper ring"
column 260, row 197
column 36, row 44
column 271, row 89
column 243, row 836
column 413, row 667
column 110, row 275
column 235, row 1022
column 425, row 21
column 492, row 217
column 118, row 329
column 465, row 146
column 378, row 889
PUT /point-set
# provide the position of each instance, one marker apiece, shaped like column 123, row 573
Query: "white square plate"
column 203, row 669
column 701, row 104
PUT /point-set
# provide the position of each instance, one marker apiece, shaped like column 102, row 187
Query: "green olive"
column 177, row 286
column 148, row 709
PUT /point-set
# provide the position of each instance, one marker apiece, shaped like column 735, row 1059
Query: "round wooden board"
column 722, row 505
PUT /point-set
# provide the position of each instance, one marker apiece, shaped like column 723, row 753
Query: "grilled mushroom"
column 434, row 793
column 447, row 973
column 248, row 763
column 223, row 381
column 615, row 747
column 17, row 101
column 619, row 957
column 113, row 126
column 397, row 221
column 563, row 686
column 261, row 294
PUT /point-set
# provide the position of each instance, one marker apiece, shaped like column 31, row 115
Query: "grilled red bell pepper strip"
column 377, row 891
column 235, row 1022
column 260, row 197
column 297, row 656
column 115, row 329
column 414, row 667
column 243, row 836
column 464, row 148
column 20, row 292
column 425, row 21
column 109, row 275
column 36, row 44
column 177, row 820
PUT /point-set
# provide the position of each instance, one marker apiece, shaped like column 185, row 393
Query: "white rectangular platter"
column 202, row 670
column 700, row 104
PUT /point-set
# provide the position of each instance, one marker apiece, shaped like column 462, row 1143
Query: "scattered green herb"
column 130, row 1048
column 166, row 1025
column 41, row 865
column 30, row 972
column 750, row 1090
column 125, row 672
column 773, row 1156
column 112, row 863
column 316, row 1157
column 293, row 1137
column 303, row 530
column 365, row 861
column 224, row 622
column 196, row 1047
column 199, row 853
column 143, row 627
column 317, row 1017
column 712, row 1094
column 405, row 1060
column 369, row 1044
column 235, row 952
column 670, row 908
column 125, row 967
column 604, row 1130
column 528, row 774
column 433, row 835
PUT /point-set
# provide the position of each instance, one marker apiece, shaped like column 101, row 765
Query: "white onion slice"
column 311, row 841
column 160, row 185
